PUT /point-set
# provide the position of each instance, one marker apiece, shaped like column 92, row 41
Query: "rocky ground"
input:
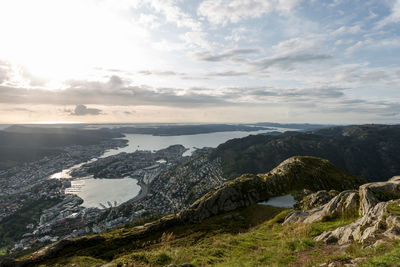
column 377, row 204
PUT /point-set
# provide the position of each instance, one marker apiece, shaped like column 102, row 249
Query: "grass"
column 265, row 244
column 393, row 207
column 3, row 251
column 81, row 261
column 390, row 256
column 249, row 237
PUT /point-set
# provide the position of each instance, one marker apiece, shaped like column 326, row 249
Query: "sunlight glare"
column 64, row 39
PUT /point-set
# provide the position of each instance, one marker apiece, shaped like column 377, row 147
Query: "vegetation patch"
column 393, row 207
column 81, row 261
column 390, row 257
column 14, row 226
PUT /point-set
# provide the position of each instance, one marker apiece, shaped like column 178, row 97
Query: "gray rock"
column 295, row 217
column 392, row 233
column 373, row 193
column 378, row 243
column 370, row 201
column 315, row 200
column 344, row 204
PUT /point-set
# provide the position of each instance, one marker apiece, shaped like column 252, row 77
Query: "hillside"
column 369, row 151
column 19, row 144
column 208, row 230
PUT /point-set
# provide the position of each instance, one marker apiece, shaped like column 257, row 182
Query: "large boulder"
column 373, row 193
column 377, row 203
column 317, row 199
column 343, row 205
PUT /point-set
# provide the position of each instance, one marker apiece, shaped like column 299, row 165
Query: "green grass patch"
column 3, row 251
column 79, row 261
column 393, row 207
column 390, row 258
column 327, row 225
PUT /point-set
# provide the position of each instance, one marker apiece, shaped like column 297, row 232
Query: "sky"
column 99, row 61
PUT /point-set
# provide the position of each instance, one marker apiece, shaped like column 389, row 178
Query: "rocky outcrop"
column 295, row 173
column 373, row 193
column 343, row 204
column 378, row 204
column 316, row 199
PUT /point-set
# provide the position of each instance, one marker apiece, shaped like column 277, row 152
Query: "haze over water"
column 152, row 142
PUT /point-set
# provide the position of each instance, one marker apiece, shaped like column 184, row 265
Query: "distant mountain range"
column 25, row 143
column 369, row 151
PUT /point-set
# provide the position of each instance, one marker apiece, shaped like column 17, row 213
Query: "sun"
column 60, row 40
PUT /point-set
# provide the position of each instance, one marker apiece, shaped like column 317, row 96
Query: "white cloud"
column 237, row 34
column 149, row 20
column 377, row 44
column 347, row 30
column 174, row 14
column 226, row 11
column 394, row 16
column 295, row 45
column 196, row 39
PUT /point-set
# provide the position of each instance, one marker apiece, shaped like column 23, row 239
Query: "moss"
column 319, row 227
column 280, row 217
column 393, row 207
column 78, row 261
column 160, row 259
column 383, row 196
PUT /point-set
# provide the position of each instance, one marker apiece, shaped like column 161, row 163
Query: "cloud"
column 149, row 20
column 347, row 30
column 196, row 39
column 5, row 71
column 229, row 73
column 394, row 16
column 161, row 73
column 260, row 94
column 229, row 54
column 237, row 34
column 174, row 14
column 377, row 44
column 18, row 109
column 288, row 61
column 224, row 11
column 111, row 92
column 307, row 44
column 82, row 110
column 116, row 93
